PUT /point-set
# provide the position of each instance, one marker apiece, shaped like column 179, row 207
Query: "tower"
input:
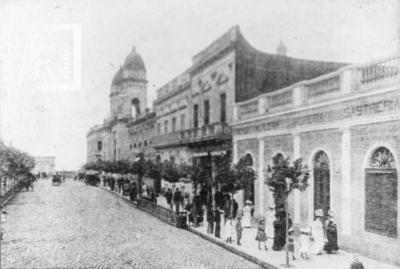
column 128, row 95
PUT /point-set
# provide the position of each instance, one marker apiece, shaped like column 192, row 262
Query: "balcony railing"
column 346, row 80
column 207, row 132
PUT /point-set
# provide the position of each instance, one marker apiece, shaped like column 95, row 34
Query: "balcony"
column 346, row 81
column 213, row 132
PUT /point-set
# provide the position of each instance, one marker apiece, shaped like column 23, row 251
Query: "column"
column 296, row 192
column 235, row 151
column 346, row 181
column 261, row 176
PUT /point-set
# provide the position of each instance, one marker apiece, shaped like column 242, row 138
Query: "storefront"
column 346, row 127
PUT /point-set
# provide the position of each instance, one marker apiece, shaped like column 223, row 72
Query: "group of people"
column 322, row 235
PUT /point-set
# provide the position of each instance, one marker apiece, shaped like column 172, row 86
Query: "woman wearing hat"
column 247, row 215
column 331, row 234
column 317, row 233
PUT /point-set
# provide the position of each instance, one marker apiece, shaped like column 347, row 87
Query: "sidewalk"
column 277, row 259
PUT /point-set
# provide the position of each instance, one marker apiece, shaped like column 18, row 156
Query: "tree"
column 282, row 179
column 170, row 171
column 153, row 170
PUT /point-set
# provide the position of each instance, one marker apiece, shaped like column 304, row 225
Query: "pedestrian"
column 132, row 191
column 177, row 199
column 247, row 215
column 317, row 233
column 239, row 229
column 227, row 207
column 228, row 229
column 269, row 222
column 304, row 244
column 168, row 197
column 279, row 231
column 261, row 235
column 210, row 221
column 356, row 264
column 217, row 219
column 235, row 207
column 331, row 233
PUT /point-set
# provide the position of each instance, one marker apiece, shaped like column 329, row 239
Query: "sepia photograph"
column 180, row 134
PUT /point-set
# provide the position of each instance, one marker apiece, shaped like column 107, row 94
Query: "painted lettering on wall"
column 373, row 108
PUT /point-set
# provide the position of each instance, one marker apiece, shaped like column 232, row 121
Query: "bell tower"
column 128, row 97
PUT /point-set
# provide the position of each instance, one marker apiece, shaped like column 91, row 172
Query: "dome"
column 134, row 61
column 132, row 70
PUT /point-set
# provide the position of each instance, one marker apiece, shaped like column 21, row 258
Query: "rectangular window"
column 223, row 107
column 165, row 127
column 206, row 112
column 183, row 122
column 159, row 128
column 173, row 124
column 99, row 145
column 196, row 116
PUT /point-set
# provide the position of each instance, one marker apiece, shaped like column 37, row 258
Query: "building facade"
column 44, row 165
column 345, row 126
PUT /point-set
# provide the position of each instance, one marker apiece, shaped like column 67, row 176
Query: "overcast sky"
column 167, row 34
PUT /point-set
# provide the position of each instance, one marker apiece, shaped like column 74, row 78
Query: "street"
column 74, row 225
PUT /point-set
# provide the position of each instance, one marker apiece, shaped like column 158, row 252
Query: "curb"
column 205, row 237
column 234, row 250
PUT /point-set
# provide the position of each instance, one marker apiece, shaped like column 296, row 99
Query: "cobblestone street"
column 74, row 225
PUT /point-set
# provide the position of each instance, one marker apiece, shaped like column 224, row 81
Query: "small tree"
column 282, row 179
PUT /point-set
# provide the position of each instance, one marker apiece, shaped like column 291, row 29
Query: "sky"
column 58, row 58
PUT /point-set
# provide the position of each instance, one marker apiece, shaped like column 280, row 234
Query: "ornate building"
column 345, row 125
column 194, row 111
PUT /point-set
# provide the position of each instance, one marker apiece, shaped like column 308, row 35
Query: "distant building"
column 44, row 165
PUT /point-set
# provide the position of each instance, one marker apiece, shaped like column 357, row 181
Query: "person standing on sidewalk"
column 239, row 229
column 247, row 215
column 217, row 219
column 261, row 235
column 228, row 229
column 317, row 233
column 331, row 233
column 356, row 264
column 210, row 221
column 177, row 199
column 168, row 197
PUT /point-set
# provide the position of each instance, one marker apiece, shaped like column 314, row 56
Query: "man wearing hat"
column 317, row 233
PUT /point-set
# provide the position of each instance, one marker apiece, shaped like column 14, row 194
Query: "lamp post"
column 288, row 181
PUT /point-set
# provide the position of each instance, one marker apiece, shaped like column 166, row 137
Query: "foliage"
column 170, row 171
column 282, row 178
column 14, row 162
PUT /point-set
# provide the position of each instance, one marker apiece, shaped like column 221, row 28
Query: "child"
column 210, row 221
column 261, row 235
column 291, row 243
column 304, row 244
column 217, row 219
column 239, row 229
column 228, row 230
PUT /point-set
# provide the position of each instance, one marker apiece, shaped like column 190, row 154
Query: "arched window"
column 321, row 176
column 381, row 193
column 135, row 107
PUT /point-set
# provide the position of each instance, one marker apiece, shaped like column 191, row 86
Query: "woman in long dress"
column 331, row 234
column 246, row 223
column 269, row 223
column 317, row 233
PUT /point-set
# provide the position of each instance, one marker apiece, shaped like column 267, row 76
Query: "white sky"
column 167, row 34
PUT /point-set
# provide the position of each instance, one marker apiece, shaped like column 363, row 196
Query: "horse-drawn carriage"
column 92, row 178
column 56, row 180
